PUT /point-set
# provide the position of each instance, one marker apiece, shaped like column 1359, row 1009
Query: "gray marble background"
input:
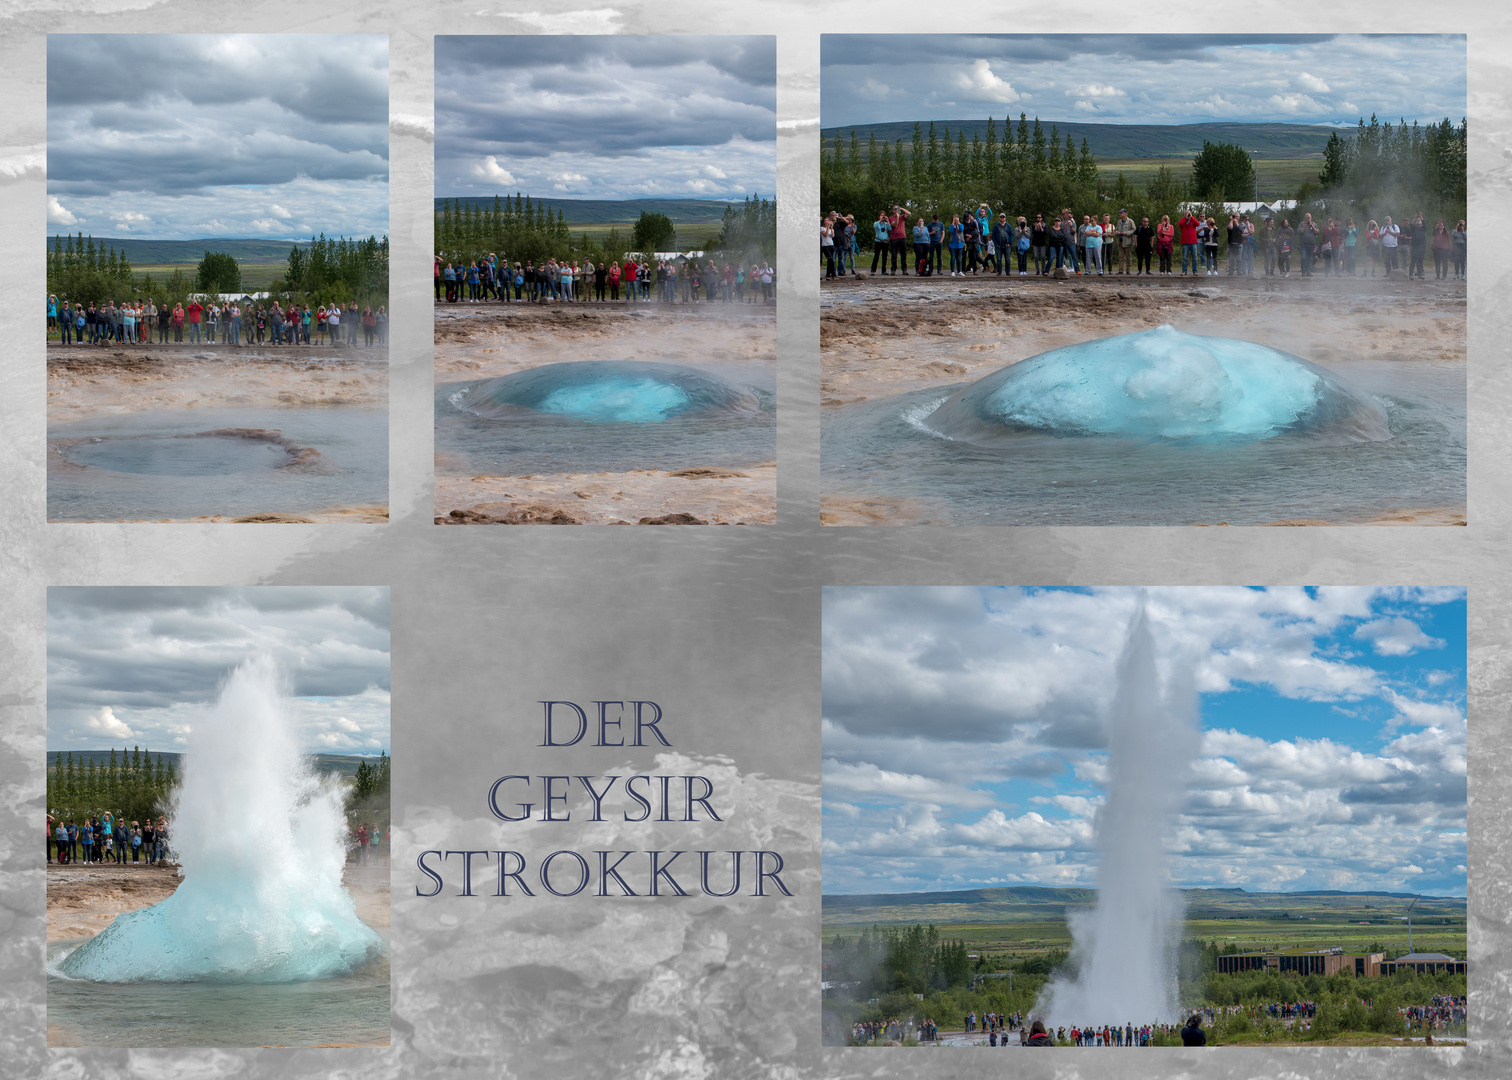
column 718, row 625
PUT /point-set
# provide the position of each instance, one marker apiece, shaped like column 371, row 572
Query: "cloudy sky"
column 965, row 734
column 1134, row 79
column 177, row 137
column 139, row 666
column 624, row 117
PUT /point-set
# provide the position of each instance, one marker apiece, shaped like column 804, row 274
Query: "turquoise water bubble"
column 1161, row 384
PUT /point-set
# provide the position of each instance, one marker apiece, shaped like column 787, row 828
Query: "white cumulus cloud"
column 58, row 214
column 490, row 169
column 982, row 80
column 105, row 722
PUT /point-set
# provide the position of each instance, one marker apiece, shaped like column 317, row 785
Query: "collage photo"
column 1146, row 725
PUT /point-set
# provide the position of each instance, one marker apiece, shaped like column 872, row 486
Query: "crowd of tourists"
column 667, row 281
column 364, row 842
column 1442, row 1010
column 214, row 322
column 107, row 838
column 975, row 242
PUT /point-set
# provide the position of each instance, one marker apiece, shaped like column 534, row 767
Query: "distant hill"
column 1116, row 141
column 152, row 252
column 601, row 211
column 1033, row 903
column 341, row 764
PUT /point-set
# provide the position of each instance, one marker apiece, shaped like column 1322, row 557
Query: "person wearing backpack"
column 1002, row 242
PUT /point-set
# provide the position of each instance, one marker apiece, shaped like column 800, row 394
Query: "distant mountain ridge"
column 152, row 252
column 1116, row 141
column 600, row 211
column 1043, row 894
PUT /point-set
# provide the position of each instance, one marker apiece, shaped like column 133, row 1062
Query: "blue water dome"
column 1161, row 384
column 608, row 391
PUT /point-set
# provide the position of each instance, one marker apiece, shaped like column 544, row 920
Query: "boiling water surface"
column 640, row 423
column 160, row 476
column 348, row 1009
column 886, row 447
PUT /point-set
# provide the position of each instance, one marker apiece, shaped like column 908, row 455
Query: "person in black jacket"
column 1144, row 244
column 1192, row 1034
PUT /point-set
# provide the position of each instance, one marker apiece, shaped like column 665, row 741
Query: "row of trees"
column 1382, row 170
column 326, row 271
column 467, row 232
column 527, row 231
column 1379, row 170
column 337, row 270
column 368, row 799
column 1025, row 168
column 135, row 784
column 909, row 960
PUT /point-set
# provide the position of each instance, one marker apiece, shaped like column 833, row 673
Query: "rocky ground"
column 83, row 900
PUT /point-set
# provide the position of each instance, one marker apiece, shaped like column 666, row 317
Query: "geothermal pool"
column 348, row 1009
column 608, row 416
column 1188, row 433
column 174, row 464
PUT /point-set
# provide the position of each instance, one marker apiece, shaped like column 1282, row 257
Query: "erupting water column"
column 1125, row 950
column 261, row 846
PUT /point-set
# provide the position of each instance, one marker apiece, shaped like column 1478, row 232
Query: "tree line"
column 337, row 270
column 523, row 230
column 368, row 798
column 1023, row 169
column 326, row 271
column 136, row 784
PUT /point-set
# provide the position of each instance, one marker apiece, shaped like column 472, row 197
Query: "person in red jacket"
column 1037, row 1036
column 438, row 279
column 193, row 315
column 1188, row 226
column 897, row 238
column 628, row 276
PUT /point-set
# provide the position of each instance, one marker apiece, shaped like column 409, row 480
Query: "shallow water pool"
column 142, row 465
column 885, row 447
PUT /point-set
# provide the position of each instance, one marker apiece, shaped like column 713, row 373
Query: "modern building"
column 1425, row 963
column 1332, row 961
column 1335, row 961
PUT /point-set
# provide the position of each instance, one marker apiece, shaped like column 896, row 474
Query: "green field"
column 256, row 277
column 691, row 236
column 1277, row 178
column 1120, row 141
column 1027, row 922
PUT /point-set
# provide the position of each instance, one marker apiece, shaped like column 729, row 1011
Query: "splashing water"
column 1165, row 384
column 260, row 843
column 1124, row 951
column 597, row 391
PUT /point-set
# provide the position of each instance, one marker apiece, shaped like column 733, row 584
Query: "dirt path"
column 89, row 380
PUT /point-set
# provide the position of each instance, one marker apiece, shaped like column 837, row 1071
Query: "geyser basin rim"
column 1164, row 384
column 607, row 391
column 271, row 438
